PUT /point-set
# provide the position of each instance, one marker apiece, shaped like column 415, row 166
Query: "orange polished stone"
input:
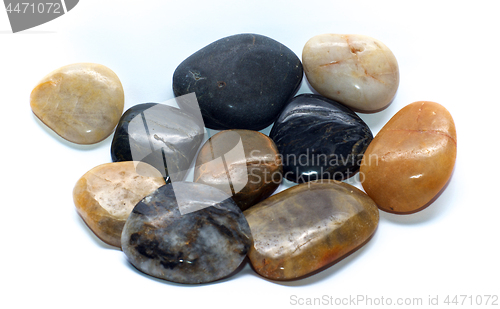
column 411, row 159
column 105, row 196
column 308, row 227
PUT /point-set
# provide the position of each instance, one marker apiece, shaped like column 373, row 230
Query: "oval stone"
column 186, row 233
column 356, row 70
column 319, row 139
column 160, row 135
column 241, row 81
column 308, row 227
column 81, row 102
column 411, row 159
column 105, row 196
column 245, row 164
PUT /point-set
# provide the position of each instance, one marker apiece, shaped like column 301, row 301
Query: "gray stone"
column 195, row 234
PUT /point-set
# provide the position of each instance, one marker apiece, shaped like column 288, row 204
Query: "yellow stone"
column 105, row 196
column 81, row 102
column 411, row 159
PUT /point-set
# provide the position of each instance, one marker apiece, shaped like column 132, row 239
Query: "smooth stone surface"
column 241, row 81
column 411, row 159
column 319, row 139
column 245, row 164
column 81, row 102
column 356, row 70
column 200, row 238
column 105, row 196
column 160, row 135
column 308, row 227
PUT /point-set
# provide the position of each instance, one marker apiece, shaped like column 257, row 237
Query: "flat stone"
column 245, row 164
column 105, row 196
column 319, row 139
column 81, row 102
column 411, row 159
column 309, row 227
column 241, row 81
column 194, row 235
column 355, row 70
column 160, row 135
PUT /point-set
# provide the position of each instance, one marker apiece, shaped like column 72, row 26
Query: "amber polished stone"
column 411, row 159
column 81, row 102
column 309, row 226
column 105, row 196
column 245, row 164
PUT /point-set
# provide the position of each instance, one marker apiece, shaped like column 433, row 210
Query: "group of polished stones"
column 201, row 231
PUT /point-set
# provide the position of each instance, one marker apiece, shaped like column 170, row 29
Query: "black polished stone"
column 241, row 81
column 160, row 135
column 319, row 139
column 186, row 233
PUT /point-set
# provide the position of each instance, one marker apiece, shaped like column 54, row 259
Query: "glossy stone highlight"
column 81, row 102
column 355, row 70
column 194, row 234
column 160, row 135
column 105, row 196
column 411, row 159
column 319, row 139
column 307, row 227
column 241, row 81
column 245, row 164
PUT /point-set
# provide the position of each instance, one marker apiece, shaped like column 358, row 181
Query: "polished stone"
column 160, row 135
column 245, row 164
column 308, row 227
column 411, row 159
column 105, row 196
column 356, row 70
column 195, row 234
column 241, row 81
column 319, row 139
column 81, row 102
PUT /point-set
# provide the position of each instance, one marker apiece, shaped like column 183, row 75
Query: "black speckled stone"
column 319, row 139
column 160, row 135
column 183, row 244
column 241, row 81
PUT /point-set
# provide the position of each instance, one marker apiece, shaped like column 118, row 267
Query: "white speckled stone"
column 356, row 70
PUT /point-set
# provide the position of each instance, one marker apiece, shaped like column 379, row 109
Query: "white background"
column 447, row 53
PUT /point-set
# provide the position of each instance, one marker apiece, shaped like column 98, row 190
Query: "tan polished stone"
column 411, row 159
column 105, row 196
column 81, row 102
column 355, row 70
column 309, row 227
column 243, row 163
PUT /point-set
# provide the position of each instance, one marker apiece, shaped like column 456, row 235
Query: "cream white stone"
column 355, row 70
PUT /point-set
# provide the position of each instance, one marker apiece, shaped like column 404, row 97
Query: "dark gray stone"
column 160, row 135
column 241, row 81
column 196, row 234
column 319, row 139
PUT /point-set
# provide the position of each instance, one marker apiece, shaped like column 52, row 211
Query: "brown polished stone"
column 105, row 196
column 411, row 159
column 309, row 226
column 81, row 102
column 245, row 164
